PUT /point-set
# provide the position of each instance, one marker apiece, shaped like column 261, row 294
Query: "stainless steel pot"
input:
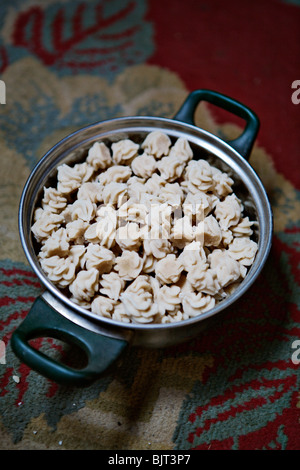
column 104, row 340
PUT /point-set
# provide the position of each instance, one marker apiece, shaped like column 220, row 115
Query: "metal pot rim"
column 143, row 123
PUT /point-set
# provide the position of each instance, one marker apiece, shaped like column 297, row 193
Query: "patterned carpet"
column 66, row 64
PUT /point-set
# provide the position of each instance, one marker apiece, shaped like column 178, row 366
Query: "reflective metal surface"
column 73, row 149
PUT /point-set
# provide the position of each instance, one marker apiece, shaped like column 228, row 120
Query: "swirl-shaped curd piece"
column 227, row 237
column 85, row 284
column 195, row 303
column 99, row 257
column 38, row 212
column 46, row 224
column 192, row 254
column 129, row 265
column 144, row 165
column 132, row 211
column 158, row 222
column 157, row 144
column 90, row 191
column 198, row 204
column 76, row 255
column 53, row 200
column 159, row 247
column 61, row 271
column 243, row 228
column 182, row 150
column 168, row 269
column 116, row 174
column 140, row 308
column 103, row 306
column 222, row 182
column 168, row 299
column 112, row 285
column 105, row 228
column 115, row 194
column 170, row 168
column 128, row 236
column 138, row 301
column 70, row 178
column 56, row 244
column 149, row 262
column 203, row 279
column 83, row 209
column 178, row 316
column 99, row 156
column 90, row 234
column 227, row 269
column 135, row 188
column 243, row 250
column 105, row 232
column 228, row 211
column 124, row 151
column 107, row 211
column 209, row 232
column 120, row 314
column 171, row 194
column 76, row 229
column 154, row 184
column 199, row 174
column 140, row 284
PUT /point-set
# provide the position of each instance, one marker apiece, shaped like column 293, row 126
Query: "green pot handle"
column 42, row 320
column 244, row 143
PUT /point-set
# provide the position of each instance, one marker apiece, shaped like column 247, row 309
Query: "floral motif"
column 100, row 37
